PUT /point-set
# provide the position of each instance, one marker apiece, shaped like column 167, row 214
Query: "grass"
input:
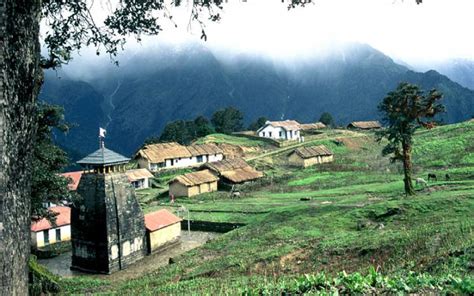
column 349, row 216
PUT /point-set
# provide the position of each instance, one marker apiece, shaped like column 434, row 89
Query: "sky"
column 434, row 31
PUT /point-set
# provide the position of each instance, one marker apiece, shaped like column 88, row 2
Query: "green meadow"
column 344, row 227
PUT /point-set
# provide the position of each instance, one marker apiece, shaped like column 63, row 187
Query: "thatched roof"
column 235, row 170
column 195, row 178
column 160, row 152
column 204, row 149
column 365, row 124
column 226, row 165
column 312, row 151
column 289, row 125
column 242, row 175
column 138, row 174
column 312, row 126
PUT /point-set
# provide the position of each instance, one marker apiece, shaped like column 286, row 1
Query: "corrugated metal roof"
column 63, row 218
column 365, row 124
column 195, row 178
column 160, row 219
column 138, row 174
column 104, row 156
column 312, row 151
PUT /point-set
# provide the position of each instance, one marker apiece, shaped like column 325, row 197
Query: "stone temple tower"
column 107, row 226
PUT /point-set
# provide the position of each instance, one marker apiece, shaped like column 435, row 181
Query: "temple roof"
column 103, row 156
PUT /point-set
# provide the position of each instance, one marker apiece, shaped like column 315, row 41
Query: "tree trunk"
column 20, row 80
column 407, row 169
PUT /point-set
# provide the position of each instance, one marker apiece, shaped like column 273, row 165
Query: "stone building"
column 107, row 225
column 308, row 156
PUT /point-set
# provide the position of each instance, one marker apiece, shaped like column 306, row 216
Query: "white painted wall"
column 278, row 133
column 37, row 238
column 141, row 183
column 185, row 162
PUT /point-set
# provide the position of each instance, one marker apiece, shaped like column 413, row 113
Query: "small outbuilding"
column 139, row 178
column 311, row 127
column 193, row 184
column 44, row 233
column 364, row 125
column 74, row 178
column 163, row 230
column 308, row 156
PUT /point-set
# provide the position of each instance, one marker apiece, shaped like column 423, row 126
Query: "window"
column 199, row 158
column 172, row 162
column 58, row 235
column 279, row 134
column 46, row 236
column 263, row 134
column 270, row 134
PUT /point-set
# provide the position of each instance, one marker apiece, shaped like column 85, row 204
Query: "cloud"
column 417, row 34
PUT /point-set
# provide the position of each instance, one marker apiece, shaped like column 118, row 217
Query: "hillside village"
column 227, row 183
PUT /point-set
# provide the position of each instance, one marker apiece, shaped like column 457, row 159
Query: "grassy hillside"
column 350, row 215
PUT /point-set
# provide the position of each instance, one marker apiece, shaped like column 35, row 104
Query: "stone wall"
column 107, row 225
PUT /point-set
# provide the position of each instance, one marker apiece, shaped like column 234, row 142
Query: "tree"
column 327, row 119
column 202, row 127
column 71, row 27
column 404, row 110
column 48, row 161
column 258, row 123
column 228, row 120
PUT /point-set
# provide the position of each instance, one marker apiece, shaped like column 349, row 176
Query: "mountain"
column 137, row 99
column 458, row 70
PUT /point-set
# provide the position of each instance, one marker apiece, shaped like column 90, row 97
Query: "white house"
column 43, row 233
column 139, row 178
column 281, row 130
column 173, row 155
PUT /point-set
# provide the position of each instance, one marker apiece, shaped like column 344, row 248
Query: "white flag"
column 102, row 132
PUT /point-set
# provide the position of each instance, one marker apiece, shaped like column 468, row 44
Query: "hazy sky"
column 416, row 34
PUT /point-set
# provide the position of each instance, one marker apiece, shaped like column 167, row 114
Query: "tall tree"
column 228, row 120
column 71, row 27
column 202, row 127
column 404, row 110
column 327, row 119
column 48, row 161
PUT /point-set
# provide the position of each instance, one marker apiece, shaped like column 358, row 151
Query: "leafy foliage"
column 257, row 123
column 48, row 161
column 327, row 119
column 228, row 120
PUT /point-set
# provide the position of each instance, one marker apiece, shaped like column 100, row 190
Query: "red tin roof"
column 160, row 219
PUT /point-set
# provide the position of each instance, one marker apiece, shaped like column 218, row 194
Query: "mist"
column 416, row 35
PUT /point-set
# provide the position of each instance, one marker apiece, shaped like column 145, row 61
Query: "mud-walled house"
column 163, row 230
column 44, row 233
column 107, row 225
column 194, row 183
column 140, row 178
column 364, row 125
column 309, row 156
